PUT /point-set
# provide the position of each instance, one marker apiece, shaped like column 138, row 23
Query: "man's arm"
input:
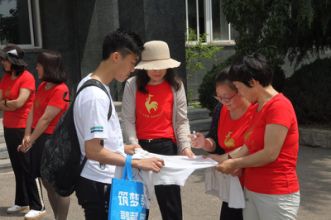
column 95, row 151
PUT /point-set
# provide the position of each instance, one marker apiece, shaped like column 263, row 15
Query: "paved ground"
column 315, row 178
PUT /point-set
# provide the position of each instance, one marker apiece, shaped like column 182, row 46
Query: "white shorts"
column 271, row 207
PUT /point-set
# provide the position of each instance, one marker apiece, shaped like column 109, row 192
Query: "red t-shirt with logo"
column 10, row 91
column 278, row 177
column 154, row 112
column 231, row 131
column 56, row 97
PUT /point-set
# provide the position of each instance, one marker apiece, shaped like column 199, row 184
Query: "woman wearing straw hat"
column 154, row 111
column 17, row 92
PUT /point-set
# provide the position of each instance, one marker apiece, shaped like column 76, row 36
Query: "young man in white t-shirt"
column 101, row 139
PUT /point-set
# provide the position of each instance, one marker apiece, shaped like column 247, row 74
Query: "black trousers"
column 228, row 213
column 28, row 188
column 36, row 153
column 94, row 198
column 168, row 196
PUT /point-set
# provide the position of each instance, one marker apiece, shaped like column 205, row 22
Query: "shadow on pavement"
column 314, row 170
column 3, row 212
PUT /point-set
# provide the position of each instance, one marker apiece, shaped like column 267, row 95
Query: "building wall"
column 76, row 29
column 157, row 20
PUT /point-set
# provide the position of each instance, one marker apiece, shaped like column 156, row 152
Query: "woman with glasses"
column 270, row 151
column 230, row 121
column 17, row 93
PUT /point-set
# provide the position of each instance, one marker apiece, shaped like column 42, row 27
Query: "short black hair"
column 170, row 77
column 223, row 78
column 18, row 70
column 53, row 67
column 249, row 67
column 121, row 41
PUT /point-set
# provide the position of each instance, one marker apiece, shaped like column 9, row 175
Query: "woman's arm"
column 273, row 141
column 26, row 139
column 50, row 113
column 129, row 112
column 95, row 151
column 182, row 127
column 2, row 102
column 237, row 153
column 200, row 141
column 12, row 105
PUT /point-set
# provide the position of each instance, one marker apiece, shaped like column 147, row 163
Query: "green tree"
column 292, row 28
column 196, row 54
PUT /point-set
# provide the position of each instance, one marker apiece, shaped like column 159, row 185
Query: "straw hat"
column 156, row 56
column 14, row 54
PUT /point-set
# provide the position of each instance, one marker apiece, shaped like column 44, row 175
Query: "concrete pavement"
column 314, row 170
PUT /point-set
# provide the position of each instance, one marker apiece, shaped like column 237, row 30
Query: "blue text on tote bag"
column 127, row 200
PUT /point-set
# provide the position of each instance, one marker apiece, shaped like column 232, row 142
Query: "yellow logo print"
column 150, row 104
column 228, row 141
column 247, row 134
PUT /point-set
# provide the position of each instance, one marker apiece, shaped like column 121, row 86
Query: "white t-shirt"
column 91, row 121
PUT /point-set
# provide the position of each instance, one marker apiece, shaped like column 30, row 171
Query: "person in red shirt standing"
column 154, row 111
column 231, row 119
column 17, row 92
column 270, row 151
column 50, row 103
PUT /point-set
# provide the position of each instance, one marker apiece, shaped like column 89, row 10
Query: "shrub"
column 309, row 89
column 197, row 54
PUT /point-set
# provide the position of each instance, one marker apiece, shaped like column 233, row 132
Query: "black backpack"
column 61, row 159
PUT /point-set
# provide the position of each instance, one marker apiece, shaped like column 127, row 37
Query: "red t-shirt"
column 154, row 112
column 10, row 91
column 278, row 177
column 55, row 97
column 231, row 131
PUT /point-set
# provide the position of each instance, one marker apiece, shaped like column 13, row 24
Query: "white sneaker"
column 34, row 214
column 17, row 208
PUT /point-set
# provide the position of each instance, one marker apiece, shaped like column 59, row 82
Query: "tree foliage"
column 196, row 55
column 311, row 100
column 280, row 28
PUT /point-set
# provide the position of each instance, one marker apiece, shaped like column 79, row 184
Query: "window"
column 20, row 23
column 206, row 18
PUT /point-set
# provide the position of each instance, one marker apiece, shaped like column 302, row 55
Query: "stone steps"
column 5, row 165
column 3, row 151
column 315, row 137
column 201, row 125
column 197, row 114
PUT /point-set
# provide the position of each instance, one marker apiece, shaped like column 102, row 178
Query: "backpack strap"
column 97, row 83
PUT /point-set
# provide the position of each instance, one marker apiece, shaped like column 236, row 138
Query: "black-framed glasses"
column 225, row 99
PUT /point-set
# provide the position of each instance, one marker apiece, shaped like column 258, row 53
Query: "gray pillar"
column 157, row 20
column 76, row 29
column 103, row 19
column 59, row 33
